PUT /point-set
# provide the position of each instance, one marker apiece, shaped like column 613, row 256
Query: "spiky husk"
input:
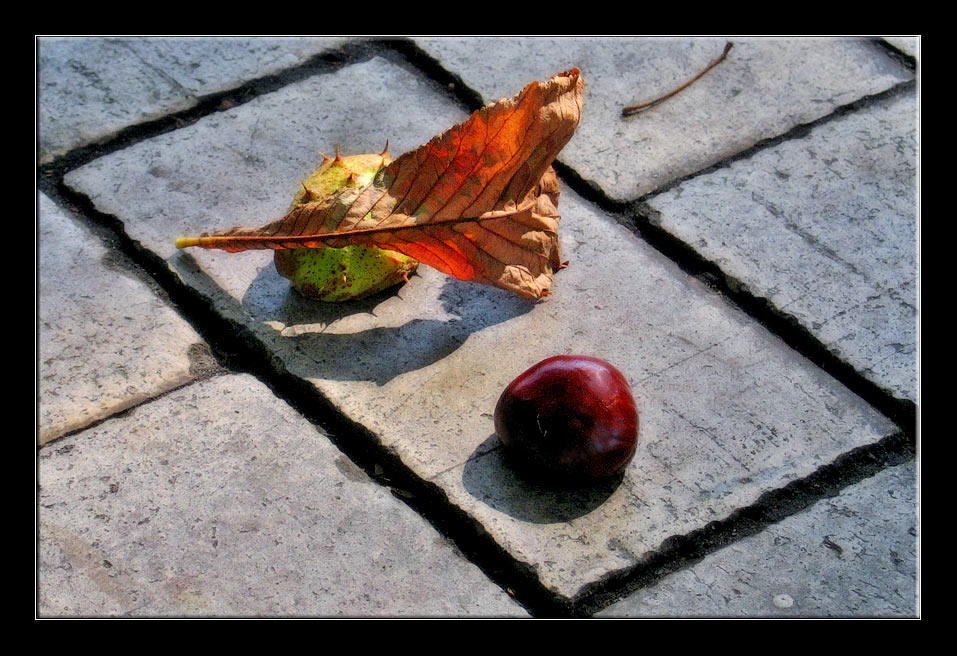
column 342, row 274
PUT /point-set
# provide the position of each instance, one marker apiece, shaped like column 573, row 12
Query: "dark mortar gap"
column 328, row 61
column 642, row 219
column 902, row 412
column 236, row 349
column 409, row 55
column 125, row 412
column 679, row 552
column 896, row 54
column 775, row 505
column 796, row 132
column 116, row 258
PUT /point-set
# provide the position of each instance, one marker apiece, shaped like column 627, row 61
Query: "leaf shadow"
column 491, row 478
column 270, row 298
column 377, row 353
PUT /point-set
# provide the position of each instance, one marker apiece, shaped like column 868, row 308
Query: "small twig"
column 635, row 109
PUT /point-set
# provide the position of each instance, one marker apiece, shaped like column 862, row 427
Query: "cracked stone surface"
column 106, row 342
column 741, row 102
column 220, row 500
column 728, row 411
column 851, row 555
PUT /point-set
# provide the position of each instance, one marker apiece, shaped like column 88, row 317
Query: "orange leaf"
column 478, row 202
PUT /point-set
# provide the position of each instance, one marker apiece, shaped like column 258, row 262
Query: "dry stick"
column 634, row 109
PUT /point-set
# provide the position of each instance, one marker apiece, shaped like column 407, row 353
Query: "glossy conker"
column 569, row 418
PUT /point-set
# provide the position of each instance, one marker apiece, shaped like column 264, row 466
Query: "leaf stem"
column 635, row 109
column 186, row 242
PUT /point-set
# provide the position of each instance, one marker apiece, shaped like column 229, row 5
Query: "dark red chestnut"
column 569, row 418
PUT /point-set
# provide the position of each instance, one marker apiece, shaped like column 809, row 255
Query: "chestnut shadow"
column 493, row 479
column 374, row 354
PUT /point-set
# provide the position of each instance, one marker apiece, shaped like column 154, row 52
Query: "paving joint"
column 893, row 51
column 425, row 64
column 236, row 350
column 797, row 132
column 773, row 506
column 592, row 191
column 125, row 412
column 328, row 61
column 639, row 217
column 903, row 412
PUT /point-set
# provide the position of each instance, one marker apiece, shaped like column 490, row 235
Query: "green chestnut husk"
column 342, row 274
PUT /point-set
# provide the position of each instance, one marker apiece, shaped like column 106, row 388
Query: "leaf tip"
column 186, row 242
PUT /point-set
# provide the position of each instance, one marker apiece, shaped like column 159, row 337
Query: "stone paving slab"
column 743, row 101
column 220, row 500
column 89, row 88
column 852, row 555
column 205, row 65
column 825, row 227
column 106, row 341
column 728, row 411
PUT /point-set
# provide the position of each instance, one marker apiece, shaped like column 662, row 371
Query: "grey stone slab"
column 764, row 88
column 728, row 411
column 220, row 500
column 825, row 227
column 106, row 341
column 89, row 88
column 205, row 65
column 854, row 555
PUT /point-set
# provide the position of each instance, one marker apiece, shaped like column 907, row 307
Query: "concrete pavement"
column 212, row 444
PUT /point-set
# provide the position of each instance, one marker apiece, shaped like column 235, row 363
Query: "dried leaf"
column 478, row 202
